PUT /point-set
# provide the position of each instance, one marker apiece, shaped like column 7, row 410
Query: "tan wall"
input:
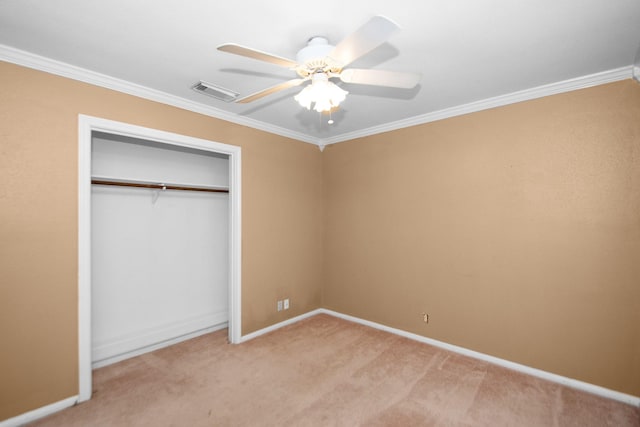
column 282, row 223
column 517, row 229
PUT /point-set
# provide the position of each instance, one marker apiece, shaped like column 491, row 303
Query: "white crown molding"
column 590, row 80
column 41, row 63
column 30, row 60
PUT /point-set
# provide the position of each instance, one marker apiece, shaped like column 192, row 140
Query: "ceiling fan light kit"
column 319, row 61
column 325, row 95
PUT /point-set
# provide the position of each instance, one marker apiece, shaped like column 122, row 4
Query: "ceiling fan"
column 319, row 62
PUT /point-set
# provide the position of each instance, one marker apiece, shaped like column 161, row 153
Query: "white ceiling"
column 467, row 51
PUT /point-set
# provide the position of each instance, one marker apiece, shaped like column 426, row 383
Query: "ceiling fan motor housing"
column 314, row 58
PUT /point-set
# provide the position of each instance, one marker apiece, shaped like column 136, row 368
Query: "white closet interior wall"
column 159, row 258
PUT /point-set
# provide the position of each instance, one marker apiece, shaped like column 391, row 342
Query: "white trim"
column 115, row 359
column 569, row 382
column 235, row 247
column 41, row 412
column 279, row 325
column 596, row 79
column 84, row 259
column 37, row 62
column 636, row 73
column 87, row 125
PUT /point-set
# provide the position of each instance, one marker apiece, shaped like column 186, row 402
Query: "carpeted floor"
column 325, row 371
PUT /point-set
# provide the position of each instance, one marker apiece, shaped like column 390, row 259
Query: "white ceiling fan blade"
column 256, row 54
column 363, row 40
column 380, row 78
column 270, row 90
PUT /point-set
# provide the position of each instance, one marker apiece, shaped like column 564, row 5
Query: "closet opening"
column 159, row 241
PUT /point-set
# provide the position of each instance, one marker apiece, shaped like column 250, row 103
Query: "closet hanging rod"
column 158, row 186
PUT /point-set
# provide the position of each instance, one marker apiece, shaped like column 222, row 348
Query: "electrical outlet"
column 279, row 305
column 286, row 304
column 425, row 317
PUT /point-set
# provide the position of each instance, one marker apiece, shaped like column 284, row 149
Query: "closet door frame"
column 87, row 125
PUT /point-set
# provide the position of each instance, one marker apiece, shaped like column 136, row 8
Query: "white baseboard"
column 566, row 381
column 569, row 382
column 279, row 325
column 41, row 412
column 152, row 347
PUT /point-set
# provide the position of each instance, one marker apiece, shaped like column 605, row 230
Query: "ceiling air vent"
column 217, row 92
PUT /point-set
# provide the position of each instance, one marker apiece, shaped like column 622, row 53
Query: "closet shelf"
column 96, row 180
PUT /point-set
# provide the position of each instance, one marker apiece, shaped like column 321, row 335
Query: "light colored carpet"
column 325, row 371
